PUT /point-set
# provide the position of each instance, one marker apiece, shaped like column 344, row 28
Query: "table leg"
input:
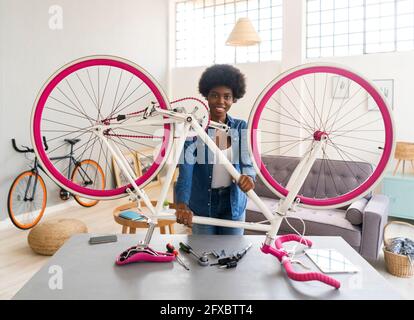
column 124, row 229
column 132, row 230
column 162, row 230
column 396, row 168
column 171, row 228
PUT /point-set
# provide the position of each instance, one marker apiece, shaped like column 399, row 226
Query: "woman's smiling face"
column 220, row 100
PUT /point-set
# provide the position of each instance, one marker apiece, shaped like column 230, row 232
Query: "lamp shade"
column 243, row 34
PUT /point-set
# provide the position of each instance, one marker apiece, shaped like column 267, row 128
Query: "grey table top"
column 89, row 272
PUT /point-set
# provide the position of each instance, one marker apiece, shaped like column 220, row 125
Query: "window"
column 354, row 27
column 203, row 26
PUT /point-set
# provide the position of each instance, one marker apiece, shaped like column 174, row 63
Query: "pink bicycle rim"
column 38, row 116
column 387, row 125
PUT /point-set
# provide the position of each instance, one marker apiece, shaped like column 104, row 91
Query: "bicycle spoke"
column 64, row 135
column 103, row 96
column 63, row 144
column 332, row 101
column 289, row 113
column 361, row 126
column 340, row 152
column 143, row 96
column 353, row 137
column 304, row 103
column 312, row 98
column 340, row 109
column 68, row 106
column 68, row 113
column 77, row 99
column 283, row 135
column 93, row 90
column 86, row 90
column 278, row 148
column 72, row 103
column 63, row 124
column 330, row 171
column 294, row 106
column 280, row 114
column 282, row 123
column 98, row 162
column 122, row 96
column 274, row 141
column 359, row 149
column 351, row 111
column 319, row 175
column 116, row 95
column 107, row 165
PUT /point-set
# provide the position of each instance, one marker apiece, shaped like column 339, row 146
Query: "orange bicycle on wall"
column 27, row 197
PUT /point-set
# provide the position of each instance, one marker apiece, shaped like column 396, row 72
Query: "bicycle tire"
column 291, row 93
column 82, row 201
column 63, row 77
column 16, row 217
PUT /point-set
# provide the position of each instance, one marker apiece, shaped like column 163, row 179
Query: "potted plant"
column 166, row 205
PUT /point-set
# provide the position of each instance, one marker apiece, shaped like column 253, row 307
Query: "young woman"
column 204, row 187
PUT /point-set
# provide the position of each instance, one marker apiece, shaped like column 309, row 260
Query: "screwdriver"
column 171, row 249
column 241, row 253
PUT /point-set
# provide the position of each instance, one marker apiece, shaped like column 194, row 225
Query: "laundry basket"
column 397, row 264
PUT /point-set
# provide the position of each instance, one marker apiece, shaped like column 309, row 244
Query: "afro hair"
column 223, row 75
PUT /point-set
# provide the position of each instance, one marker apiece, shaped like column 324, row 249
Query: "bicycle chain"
column 108, row 121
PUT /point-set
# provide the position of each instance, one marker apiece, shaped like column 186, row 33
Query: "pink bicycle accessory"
column 135, row 254
column 285, row 259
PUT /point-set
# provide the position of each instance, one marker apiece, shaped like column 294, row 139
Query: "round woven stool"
column 47, row 237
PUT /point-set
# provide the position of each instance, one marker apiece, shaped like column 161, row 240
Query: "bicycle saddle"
column 135, row 254
column 72, row 141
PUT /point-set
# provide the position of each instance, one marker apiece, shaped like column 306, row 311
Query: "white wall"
column 184, row 83
column 30, row 52
column 398, row 66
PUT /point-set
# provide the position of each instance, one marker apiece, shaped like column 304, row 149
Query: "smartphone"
column 103, row 239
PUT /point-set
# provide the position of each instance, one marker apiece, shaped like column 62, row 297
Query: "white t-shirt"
column 221, row 177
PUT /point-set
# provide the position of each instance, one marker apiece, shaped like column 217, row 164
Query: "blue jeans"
column 220, row 209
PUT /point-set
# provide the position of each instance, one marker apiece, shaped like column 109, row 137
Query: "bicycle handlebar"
column 286, row 261
column 309, row 276
column 27, row 149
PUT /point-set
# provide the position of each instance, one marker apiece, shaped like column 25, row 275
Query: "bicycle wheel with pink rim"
column 93, row 91
column 300, row 106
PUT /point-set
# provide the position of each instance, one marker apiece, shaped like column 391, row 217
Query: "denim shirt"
column 193, row 186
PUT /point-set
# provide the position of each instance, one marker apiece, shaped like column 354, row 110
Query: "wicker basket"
column 397, row 264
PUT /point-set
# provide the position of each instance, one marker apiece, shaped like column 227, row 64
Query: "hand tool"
column 241, row 253
column 229, row 265
column 171, row 249
column 202, row 260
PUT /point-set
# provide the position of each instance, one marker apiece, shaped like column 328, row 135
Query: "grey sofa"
column 363, row 234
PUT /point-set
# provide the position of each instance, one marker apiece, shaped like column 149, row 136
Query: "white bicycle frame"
column 275, row 218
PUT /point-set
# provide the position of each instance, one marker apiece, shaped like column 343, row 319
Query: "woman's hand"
column 184, row 214
column 245, row 183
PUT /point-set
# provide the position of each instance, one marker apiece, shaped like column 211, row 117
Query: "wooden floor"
column 18, row 263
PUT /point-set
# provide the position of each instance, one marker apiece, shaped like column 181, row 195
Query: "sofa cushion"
column 328, row 222
column 323, row 222
column 354, row 213
column 320, row 182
